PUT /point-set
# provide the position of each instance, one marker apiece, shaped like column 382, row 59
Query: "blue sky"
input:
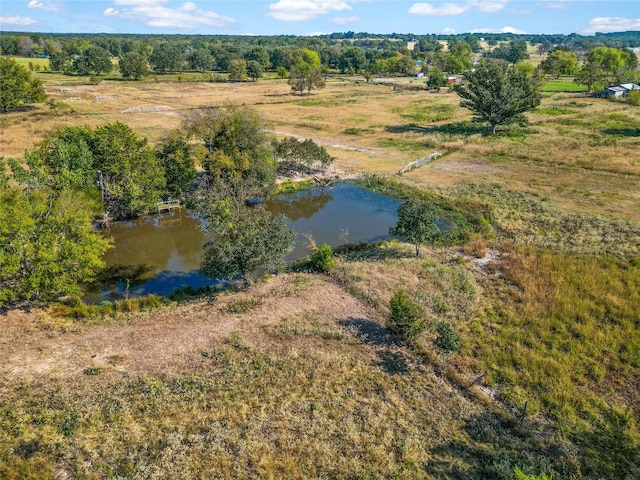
column 307, row 17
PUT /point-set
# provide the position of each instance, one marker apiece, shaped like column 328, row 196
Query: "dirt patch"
column 170, row 339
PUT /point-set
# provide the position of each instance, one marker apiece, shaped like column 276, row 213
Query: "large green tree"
column 248, row 240
column 133, row 65
column 48, row 247
column 132, row 174
column 178, row 158
column 236, row 147
column 93, row 61
column 16, row 86
column 560, row 62
column 498, row 94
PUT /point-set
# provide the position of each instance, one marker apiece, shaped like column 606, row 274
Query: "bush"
column 447, row 340
column 321, row 260
column 406, row 317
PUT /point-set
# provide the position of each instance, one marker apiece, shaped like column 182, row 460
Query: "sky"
column 314, row 17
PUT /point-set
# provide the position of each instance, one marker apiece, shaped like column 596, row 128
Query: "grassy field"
column 299, row 377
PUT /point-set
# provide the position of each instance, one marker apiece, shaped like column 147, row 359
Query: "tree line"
column 49, row 206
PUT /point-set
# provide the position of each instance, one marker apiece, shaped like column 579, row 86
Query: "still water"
column 160, row 253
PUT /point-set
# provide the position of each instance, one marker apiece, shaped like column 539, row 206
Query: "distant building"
column 618, row 91
column 411, row 46
column 453, row 80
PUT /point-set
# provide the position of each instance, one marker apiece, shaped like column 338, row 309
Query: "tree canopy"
column 498, row 94
column 47, row 243
column 17, row 87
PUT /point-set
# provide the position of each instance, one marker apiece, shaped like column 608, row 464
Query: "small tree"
column 406, row 317
column 498, row 94
column 306, row 79
column 417, row 223
column 237, row 70
column 437, row 78
column 16, row 86
column 321, row 260
column 447, row 339
column 255, row 69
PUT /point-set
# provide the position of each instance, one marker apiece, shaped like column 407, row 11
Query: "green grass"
column 426, row 112
column 562, row 86
column 41, row 63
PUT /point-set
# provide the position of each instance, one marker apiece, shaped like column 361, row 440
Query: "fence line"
column 420, row 162
column 72, row 99
column 141, row 108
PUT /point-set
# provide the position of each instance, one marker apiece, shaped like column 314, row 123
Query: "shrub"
column 321, row 260
column 406, row 317
column 447, row 339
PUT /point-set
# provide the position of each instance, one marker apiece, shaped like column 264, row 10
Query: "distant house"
column 453, row 80
column 618, row 91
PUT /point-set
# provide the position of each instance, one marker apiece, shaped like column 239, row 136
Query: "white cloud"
column 446, row 9
column 152, row 13
column 488, row 5
column 612, row 24
column 303, row 10
column 498, row 30
column 448, row 31
column 17, row 20
column 344, row 20
column 47, row 6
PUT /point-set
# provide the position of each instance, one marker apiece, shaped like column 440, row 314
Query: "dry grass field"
column 579, row 152
column 298, row 376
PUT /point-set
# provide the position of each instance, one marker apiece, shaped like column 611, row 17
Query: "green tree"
column 609, row 65
column 178, row 158
column 93, row 61
column 249, row 240
column 61, row 61
column 47, row 244
column 458, row 58
column 417, row 223
column 66, row 154
column 236, row 147
column 17, row 87
column 255, row 69
column 167, row 58
column 237, row 70
column 560, row 62
column 306, row 79
column 260, row 55
column 201, row 59
column 300, row 155
column 447, row 338
column 498, row 94
column 353, row 60
column 437, row 78
column 405, row 316
column 133, row 176
column 133, row 65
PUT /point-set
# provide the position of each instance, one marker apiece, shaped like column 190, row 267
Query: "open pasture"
column 578, row 152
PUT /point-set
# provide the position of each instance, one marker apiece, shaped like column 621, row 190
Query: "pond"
column 161, row 253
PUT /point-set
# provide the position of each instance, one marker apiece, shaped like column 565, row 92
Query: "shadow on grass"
column 369, row 331
column 456, row 128
column 496, row 446
column 625, row 132
column 391, row 361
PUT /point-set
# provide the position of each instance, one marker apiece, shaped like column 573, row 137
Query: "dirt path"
column 167, row 340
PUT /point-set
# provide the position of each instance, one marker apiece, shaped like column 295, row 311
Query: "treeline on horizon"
column 117, row 44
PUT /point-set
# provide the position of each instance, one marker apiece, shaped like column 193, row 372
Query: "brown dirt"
column 171, row 339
